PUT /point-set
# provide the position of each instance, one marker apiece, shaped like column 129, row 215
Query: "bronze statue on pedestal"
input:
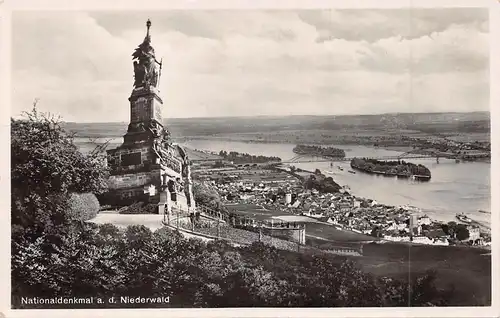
column 147, row 69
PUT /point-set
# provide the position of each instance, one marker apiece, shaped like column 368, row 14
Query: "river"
column 454, row 187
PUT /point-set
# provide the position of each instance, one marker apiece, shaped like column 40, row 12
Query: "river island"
column 395, row 168
column 312, row 150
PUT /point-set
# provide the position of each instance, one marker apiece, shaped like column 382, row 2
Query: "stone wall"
column 117, row 156
column 124, row 196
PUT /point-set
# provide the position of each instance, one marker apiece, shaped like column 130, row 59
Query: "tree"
column 424, row 292
column 450, row 228
column 445, row 228
column 218, row 164
column 376, row 232
column 46, row 167
column 46, row 170
column 462, row 233
column 206, row 195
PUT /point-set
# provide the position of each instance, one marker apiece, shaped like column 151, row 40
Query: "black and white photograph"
column 253, row 157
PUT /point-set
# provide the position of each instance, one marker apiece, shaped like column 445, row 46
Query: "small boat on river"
column 462, row 217
column 420, row 177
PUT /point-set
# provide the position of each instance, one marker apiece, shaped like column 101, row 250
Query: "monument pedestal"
column 148, row 159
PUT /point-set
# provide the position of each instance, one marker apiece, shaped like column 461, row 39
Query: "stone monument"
column 148, row 166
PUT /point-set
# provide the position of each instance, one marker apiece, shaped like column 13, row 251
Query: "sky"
column 245, row 63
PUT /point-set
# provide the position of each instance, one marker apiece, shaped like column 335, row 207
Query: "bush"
column 205, row 194
column 103, row 261
column 139, row 208
column 83, row 206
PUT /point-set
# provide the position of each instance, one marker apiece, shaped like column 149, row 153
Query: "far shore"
column 251, row 141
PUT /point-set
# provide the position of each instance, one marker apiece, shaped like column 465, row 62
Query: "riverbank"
column 453, row 188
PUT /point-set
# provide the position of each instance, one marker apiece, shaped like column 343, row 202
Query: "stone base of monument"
column 128, row 196
column 117, row 198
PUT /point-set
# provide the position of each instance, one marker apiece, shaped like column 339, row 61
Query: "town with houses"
column 279, row 190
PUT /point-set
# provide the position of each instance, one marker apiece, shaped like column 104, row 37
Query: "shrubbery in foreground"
column 102, row 261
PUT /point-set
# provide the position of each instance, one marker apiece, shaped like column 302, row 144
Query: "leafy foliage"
column 240, row 158
column 45, row 159
column 46, row 167
column 462, row 232
column 83, row 206
column 456, row 230
column 103, row 261
column 321, row 183
column 319, row 151
column 47, row 172
column 206, row 195
column 399, row 167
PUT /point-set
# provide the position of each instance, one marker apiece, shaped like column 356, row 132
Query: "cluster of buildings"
column 463, row 147
column 367, row 216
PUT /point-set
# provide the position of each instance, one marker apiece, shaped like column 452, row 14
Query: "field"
column 308, row 127
column 467, row 268
column 256, row 175
column 384, row 129
column 253, row 211
column 331, row 233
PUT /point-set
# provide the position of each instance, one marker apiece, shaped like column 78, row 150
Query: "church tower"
column 148, row 166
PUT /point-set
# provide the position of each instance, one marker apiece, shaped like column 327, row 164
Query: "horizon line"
column 285, row 116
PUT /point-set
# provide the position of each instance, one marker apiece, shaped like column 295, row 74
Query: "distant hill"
column 425, row 122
